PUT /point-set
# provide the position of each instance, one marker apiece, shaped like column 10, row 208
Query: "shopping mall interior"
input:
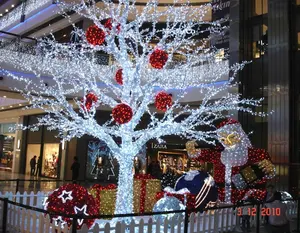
column 75, row 109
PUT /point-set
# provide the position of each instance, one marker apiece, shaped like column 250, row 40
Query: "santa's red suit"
column 239, row 154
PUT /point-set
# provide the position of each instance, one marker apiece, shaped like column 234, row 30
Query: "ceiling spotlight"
column 2, row 108
column 65, row 35
column 6, row 10
column 4, row 96
column 20, row 104
column 12, row 5
column 10, row 106
column 1, row 14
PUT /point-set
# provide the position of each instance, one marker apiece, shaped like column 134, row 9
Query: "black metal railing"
column 186, row 213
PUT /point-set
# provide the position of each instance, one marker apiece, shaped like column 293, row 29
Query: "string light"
column 133, row 53
column 71, row 199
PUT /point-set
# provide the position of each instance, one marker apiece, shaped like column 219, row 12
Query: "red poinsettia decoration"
column 71, row 199
column 158, row 58
column 108, row 25
column 90, row 99
column 94, row 35
column 122, row 113
column 163, row 101
column 119, row 76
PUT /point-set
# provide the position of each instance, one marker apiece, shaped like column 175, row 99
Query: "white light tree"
column 130, row 42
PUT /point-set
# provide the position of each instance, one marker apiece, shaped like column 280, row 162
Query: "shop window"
column 260, row 38
column 50, row 165
column 7, row 147
column 100, row 164
column 261, row 7
column 32, row 150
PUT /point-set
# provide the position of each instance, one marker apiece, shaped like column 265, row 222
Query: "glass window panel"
column 261, row 7
column 50, row 160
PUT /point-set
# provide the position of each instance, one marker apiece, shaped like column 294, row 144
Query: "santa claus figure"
column 238, row 167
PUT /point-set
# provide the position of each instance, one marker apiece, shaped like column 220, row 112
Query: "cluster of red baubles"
column 122, row 113
column 158, row 58
column 71, row 199
column 163, row 101
column 90, row 100
column 119, row 76
column 96, row 36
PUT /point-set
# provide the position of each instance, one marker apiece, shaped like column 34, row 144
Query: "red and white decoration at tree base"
column 71, row 199
column 122, row 113
column 95, row 35
column 163, row 101
column 158, row 58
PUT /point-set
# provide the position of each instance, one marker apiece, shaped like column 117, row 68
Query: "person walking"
column 278, row 222
column 32, row 165
column 75, row 169
column 39, row 166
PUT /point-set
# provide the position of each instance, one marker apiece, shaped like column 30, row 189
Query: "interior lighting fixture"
column 4, row 96
column 12, row 5
column 20, row 104
column 6, row 10
column 10, row 106
column 18, row 144
column 1, row 14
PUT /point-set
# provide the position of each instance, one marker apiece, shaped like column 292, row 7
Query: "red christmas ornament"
column 95, row 35
column 90, row 99
column 158, row 58
column 108, row 25
column 72, row 199
column 119, row 76
column 122, row 113
column 163, row 101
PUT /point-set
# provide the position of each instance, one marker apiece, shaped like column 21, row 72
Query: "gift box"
column 145, row 188
column 106, row 195
column 189, row 198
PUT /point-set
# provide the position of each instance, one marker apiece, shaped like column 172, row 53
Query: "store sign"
column 221, row 11
column 158, row 146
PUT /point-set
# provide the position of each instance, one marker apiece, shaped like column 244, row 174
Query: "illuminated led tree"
column 139, row 82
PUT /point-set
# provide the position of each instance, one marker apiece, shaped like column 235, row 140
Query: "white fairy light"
column 73, row 72
column 82, row 210
column 63, row 196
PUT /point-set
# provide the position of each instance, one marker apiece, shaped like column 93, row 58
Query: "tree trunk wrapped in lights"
column 74, row 72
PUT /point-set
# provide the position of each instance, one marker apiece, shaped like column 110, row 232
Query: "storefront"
column 45, row 148
column 7, row 146
column 172, row 157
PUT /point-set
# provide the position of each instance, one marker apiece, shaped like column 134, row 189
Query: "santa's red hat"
column 228, row 121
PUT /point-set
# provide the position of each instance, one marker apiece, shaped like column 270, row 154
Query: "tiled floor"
column 35, row 184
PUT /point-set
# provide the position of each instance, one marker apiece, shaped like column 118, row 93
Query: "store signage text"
column 158, row 146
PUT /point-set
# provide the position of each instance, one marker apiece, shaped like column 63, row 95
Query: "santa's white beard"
column 235, row 156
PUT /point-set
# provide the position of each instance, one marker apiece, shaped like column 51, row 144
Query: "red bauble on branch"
column 108, row 25
column 71, row 199
column 163, row 101
column 90, row 99
column 158, row 58
column 95, row 35
column 119, row 76
column 122, row 113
